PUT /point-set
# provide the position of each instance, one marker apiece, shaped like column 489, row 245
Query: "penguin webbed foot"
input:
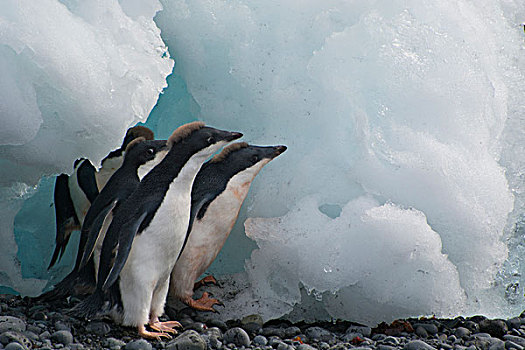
column 165, row 326
column 152, row 335
column 205, row 303
column 205, row 281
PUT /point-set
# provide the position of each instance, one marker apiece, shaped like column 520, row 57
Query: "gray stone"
column 481, row 335
column 44, row 335
column 139, row 344
column 39, row 316
column 417, row 345
column 260, row 340
column 421, row 332
column 452, row 338
column 319, row 333
column 10, row 323
column 31, row 335
column 305, row 347
column 274, row 341
column 291, row 332
column 76, row 346
column 237, row 336
column 98, row 328
column 114, row 344
column 15, row 337
column 199, row 327
column 214, row 331
column 472, row 326
column 61, row 326
column 284, row 346
column 497, row 345
column 269, row 331
column 446, row 346
column 462, row 332
column 511, row 345
column 385, row 347
column 62, row 337
column 212, row 341
column 391, row 341
column 515, row 339
column 15, row 346
column 429, row 327
column 514, row 323
column 324, row 346
column 363, row 330
column 496, row 328
column 189, row 340
column 257, row 319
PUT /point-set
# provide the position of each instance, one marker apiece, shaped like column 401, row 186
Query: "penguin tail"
column 90, row 307
column 76, row 283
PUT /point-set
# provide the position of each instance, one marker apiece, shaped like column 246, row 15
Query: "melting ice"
column 402, row 191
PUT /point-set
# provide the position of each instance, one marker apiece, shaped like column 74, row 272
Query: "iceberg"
column 401, row 193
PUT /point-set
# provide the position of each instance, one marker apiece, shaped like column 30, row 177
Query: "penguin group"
column 152, row 219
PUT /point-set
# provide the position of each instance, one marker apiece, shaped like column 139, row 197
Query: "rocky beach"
column 27, row 324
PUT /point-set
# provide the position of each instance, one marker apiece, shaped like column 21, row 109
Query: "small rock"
column 39, row 316
column 139, row 344
column 15, row 346
column 62, row 337
column 260, row 340
column 76, row 346
column 421, row 332
column 514, row 323
column 365, row 331
column 390, row 340
column 213, row 331
column 114, row 344
column 511, row 345
column 385, row 347
column 452, row 338
column 497, row 345
column 515, row 339
column 15, row 337
column 98, row 328
column 429, row 327
column 273, row 331
column 274, row 341
column 418, row 345
column 324, row 346
column 44, row 335
column 446, row 346
column 496, row 328
column 257, row 319
column 291, row 332
column 482, row 335
column 237, row 336
column 199, row 327
column 284, row 346
column 305, row 347
column 462, row 332
column 217, row 323
column 472, row 326
column 189, row 340
column 32, row 336
column 319, row 334
column 10, row 323
column 61, row 326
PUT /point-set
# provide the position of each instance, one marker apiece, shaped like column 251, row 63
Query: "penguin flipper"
column 87, row 180
column 91, row 228
column 66, row 218
column 127, row 233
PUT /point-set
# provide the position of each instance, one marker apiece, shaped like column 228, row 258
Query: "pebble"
column 319, row 333
column 496, row 328
column 189, row 340
column 429, row 327
column 15, row 346
column 98, row 328
column 62, row 337
column 462, row 332
column 237, row 336
column 417, row 345
column 139, row 344
column 515, row 339
column 421, row 332
column 363, row 330
column 291, row 332
column 260, row 340
column 511, row 345
column 10, row 323
column 15, row 337
column 305, row 347
column 113, row 343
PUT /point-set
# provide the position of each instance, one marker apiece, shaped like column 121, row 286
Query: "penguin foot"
column 165, row 326
column 205, row 303
column 152, row 335
column 205, row 281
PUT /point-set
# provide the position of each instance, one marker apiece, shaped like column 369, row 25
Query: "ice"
column 401, row 193
column 75, row 76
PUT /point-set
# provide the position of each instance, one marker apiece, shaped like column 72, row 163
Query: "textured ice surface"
column 75, row 75
column 402, row 189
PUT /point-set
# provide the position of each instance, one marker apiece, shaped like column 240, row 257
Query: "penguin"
column 139, row 153
column 216, row 198
column 147, row 232
column 74, row 194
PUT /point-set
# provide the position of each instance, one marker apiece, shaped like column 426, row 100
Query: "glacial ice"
column 402, row 190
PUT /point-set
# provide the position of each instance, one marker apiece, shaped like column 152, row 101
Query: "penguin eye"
column 150, row 151
column 210, row 140
column 255, row 158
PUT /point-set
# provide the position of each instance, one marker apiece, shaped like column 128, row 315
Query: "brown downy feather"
column 139, row 130
column 134, row 142
column 184, row 131
column 227, row 150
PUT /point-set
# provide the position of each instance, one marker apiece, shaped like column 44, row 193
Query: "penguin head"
column 242, row 157
column 201, row 140
column 141, row 151
column 136, row 132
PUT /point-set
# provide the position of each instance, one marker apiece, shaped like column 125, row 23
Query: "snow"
column 401, row 193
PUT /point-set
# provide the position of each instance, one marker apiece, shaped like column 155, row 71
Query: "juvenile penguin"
column 146, row 234
column 216, row 198
column 139, row 153
column 74, row 194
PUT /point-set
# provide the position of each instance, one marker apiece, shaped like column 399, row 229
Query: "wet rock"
column 462, row 332
column 260, row 340
column 511, row 345
column 114, row 344
column 273, row 331
column 430, row 328
column 421, row 332
column 237, row 336
column 15, row 346
column 76, row 346
column 291, row 332
column 189, row 340
column 62, row 337
column 515, row 339
column 391, row 341
column 363, row 330
column 417, row 345
column 496, row 328
column 98, row 328
column 61, row 326
column 318, row 333
column 139, row 344
column 44, row 335
column 10, row 323
column 305, row 347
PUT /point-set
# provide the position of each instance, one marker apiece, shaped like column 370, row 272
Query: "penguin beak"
column 279, row 150
column 234, row 136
